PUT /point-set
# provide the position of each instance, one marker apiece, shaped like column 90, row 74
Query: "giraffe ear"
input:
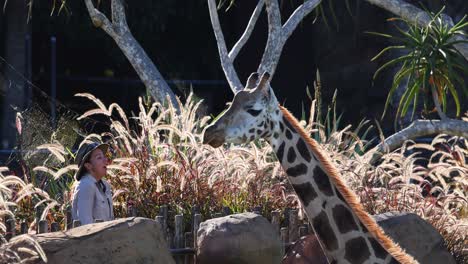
column 263, row 84
column 252, row 81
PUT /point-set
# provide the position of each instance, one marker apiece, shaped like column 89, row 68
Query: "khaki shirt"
column 90, row 202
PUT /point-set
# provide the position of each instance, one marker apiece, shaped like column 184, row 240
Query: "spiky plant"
column 431, row 65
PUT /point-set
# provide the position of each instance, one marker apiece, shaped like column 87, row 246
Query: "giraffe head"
column 249, row 116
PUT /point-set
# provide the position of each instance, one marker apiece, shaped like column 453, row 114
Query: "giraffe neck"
column 337, row 218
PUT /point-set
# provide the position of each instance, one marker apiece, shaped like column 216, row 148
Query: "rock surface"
column 419, row 238
column 126, row 240
column 416, row 236
column 238, row 239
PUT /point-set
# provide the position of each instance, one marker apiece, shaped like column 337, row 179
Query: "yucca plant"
column 432, row 65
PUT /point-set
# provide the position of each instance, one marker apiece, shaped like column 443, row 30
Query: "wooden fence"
column 181, row 240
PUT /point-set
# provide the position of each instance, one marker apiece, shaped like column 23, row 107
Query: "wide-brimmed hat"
column 83, row 153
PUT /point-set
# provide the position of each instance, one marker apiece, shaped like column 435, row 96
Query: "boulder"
column 416, row 236
column 419, row 238
column 126, row 240
column 238, row 239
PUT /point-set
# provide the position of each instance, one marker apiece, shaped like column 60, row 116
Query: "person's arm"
column 85, row 201
column 109, row 197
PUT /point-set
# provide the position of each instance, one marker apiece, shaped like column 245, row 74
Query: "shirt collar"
column 90, row 177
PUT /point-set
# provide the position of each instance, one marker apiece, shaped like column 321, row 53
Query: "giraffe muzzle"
column 213, row 136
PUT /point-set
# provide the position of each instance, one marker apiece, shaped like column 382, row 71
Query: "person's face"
column 97, row 164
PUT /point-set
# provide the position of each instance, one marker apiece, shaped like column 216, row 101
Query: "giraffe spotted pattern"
column 331, row 207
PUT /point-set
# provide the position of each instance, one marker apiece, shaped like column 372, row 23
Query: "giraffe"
column 347, row 234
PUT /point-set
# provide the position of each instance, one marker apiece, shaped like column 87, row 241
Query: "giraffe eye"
column 254, row 112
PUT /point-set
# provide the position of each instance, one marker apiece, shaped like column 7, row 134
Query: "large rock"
column 238, row 239
column 419, row 238
column 126, row 240
column 416, row 236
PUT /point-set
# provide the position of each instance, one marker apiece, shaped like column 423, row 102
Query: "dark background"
column 178, row 37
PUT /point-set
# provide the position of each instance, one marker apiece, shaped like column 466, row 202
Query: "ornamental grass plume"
column 162, row 161
column 158, row 159
column 19, row 249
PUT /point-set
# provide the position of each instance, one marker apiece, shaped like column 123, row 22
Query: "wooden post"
column 170, row 238
column 179, row 236
column 76, row 223
column 197, row 219
column 163, row 211
column 54, row 227
column 10, row 229
column 68, row 220
column 195, row 209
column 43, row 226
column 227, row 211
column 293, row 225
column 275, row 220
column 131, row 210
column 286, row 213
column 303, row 230
column 284, row 235
column 38, row 211
column 160, row 220
column 257, row 210
column 24, row 227
column 188, row 244
column 179, row 231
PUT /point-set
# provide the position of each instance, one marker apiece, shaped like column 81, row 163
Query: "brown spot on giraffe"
column 258, row 105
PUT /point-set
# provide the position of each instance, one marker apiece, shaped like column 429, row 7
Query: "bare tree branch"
column 144, row 67
column 277, row 37
column 118, row 15
column 226, row 61
column 417, row 16
column 274, row 16
column 298, row 15
column 248, row 31
column 418, row 128
column 275, row 42
column 99, row 19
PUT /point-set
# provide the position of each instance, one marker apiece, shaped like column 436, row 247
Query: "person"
column 92, row 195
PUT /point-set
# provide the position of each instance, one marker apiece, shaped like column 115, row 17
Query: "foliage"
column 21, row 248
column 328, row 129
column 432, row 66
column 160, row 160
column 428, row 179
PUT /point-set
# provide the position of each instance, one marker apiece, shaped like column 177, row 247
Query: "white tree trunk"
column 278, row 34
column 418, row 128
column 145, row 68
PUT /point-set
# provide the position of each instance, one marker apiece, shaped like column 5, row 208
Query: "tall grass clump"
column 161, row 161
column 158, row 159
column 428, row 179
column 23, row 248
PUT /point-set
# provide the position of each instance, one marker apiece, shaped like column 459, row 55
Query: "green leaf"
column 385, row 50
column 379, row 34
column 392, row 62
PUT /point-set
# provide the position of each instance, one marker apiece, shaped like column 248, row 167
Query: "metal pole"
column 53, row 80
column 28, row 72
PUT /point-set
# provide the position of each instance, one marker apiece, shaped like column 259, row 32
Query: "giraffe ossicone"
column 346, row 232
